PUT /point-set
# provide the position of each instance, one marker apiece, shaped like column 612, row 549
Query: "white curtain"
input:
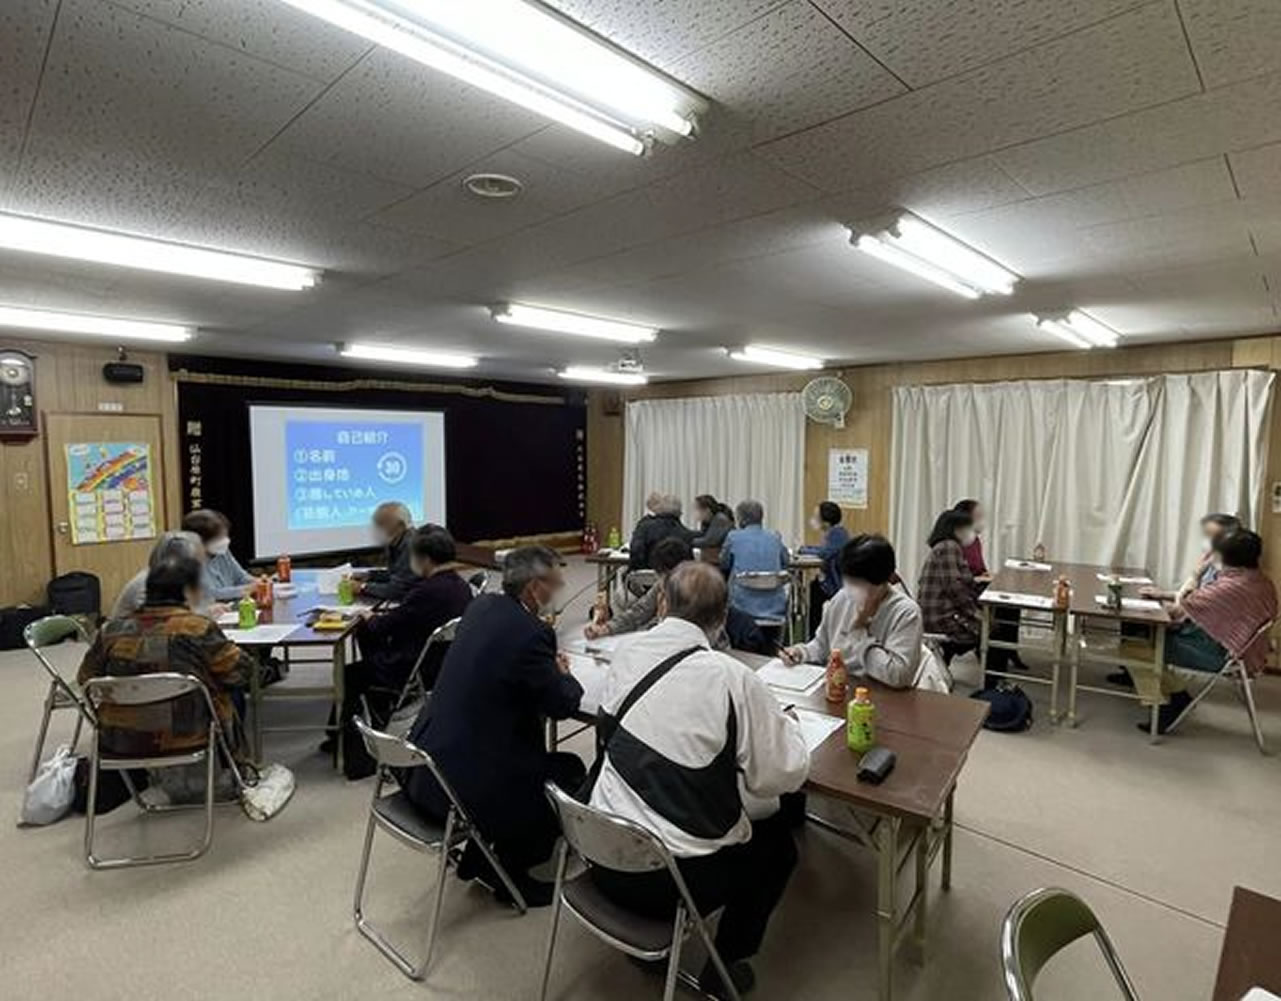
column 1098, row 472
column 734, row 447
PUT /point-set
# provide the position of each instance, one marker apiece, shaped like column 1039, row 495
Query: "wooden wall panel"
column 69, row 380
column 868, row 424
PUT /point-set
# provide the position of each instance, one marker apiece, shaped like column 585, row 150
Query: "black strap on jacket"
column 607, row 724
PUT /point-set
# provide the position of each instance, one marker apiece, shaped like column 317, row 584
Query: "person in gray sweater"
column 643, row 612
column 875, row 625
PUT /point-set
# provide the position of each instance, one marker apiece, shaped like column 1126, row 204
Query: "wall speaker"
column 122, row 371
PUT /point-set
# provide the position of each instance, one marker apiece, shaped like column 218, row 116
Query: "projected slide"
column 320, row 473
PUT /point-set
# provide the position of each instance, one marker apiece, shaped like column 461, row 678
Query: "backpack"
column 76, row 593
column 13, row 620
column 1009, row 708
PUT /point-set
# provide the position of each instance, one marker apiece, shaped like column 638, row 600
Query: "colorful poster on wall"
column 109, row 492
column 847, row 477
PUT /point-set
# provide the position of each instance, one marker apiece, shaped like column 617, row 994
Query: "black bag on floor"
column 76, row 593
column 13, row 620
column 1010, row 710
column 112, row 791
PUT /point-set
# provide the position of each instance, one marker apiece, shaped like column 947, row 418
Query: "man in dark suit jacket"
column 484, row 723
column 394, row 528
column 663, row 523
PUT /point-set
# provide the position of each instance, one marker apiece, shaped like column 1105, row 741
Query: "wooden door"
column 106, row 494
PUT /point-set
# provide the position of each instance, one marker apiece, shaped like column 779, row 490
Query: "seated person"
column 484, row 726
column 715, row 521
column 740, row 632
column 166, row 635
column 1005, row 624
column 700, row 759
column 947, row 593
column 169, row 545
column 225, row 578
column 750, row 548
column 664, row 523
column 875, row 626
column 392, row 529
column 828, row 520
column 1218, row 619
column 392, row 640
column 1213, row 527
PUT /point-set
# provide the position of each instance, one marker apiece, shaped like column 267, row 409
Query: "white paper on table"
column 1016, row 598
column 1259, row 994
column 346, row 611
column 228, row 619
column 268, row 634
column 1124, row 580
column 590, row 673
column 1132, row 604
column 604, row 645
column 817, row 727
column 799, row 678
column 1013, row 564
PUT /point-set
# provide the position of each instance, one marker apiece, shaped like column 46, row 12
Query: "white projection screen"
column 319, row 472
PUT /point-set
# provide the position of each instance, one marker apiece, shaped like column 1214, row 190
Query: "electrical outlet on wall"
column 22, row 481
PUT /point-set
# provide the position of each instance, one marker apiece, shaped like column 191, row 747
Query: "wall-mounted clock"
column 17, row 394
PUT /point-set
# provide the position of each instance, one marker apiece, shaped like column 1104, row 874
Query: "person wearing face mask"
column 875, row 626
column 715, row 521
column 827, row 519
column 225, row 578
column 697, row 750
column 167, row 635
column 483, row 725
column 947, row 593
column 1005, row 624
column 170, row 545
column 392, row 529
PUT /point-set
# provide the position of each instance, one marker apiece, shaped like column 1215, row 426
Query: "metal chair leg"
column 1196, row 701
column 713, row 954
column 674, row 956
column 91, row 808
column 442, row 877
column 518, row 898
column 1247, row 686
column 44, row 732
column 562, row 862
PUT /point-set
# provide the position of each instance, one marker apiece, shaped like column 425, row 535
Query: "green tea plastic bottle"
column 860, row 722
column 346, row 590
column 247, row 613
column 615, row 538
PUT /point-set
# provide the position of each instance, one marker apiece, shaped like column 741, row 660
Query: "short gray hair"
column 397, row 509
column 749, row 512
column 696, row 592
column 175, row 545
column 526, row 564
column 668, row 504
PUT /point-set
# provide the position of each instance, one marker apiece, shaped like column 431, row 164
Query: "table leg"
column 922, row 893
column 1074, row 662
column 887, row 870
column 948, row 830
column 1056, row 664
column 1158, row 668
column 255, row 707
column 340, row 664
column 985, row 636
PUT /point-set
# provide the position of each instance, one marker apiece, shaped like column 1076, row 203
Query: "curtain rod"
column 349, row 385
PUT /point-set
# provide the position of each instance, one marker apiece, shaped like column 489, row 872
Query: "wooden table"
column 477, row 556
column 909, row 815
column 1026, row 589
column 1250, row 957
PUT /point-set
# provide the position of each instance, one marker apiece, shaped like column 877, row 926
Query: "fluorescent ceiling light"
column 408, row 356
column 587, row 373
column 80, row 243
column 772, row 356
column 100, row 326
column 527, row 55
column 914, row 245
column 1080, row 330
column 572, row 323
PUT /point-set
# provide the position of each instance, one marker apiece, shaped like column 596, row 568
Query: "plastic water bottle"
column 246, row 613
column 346, row 591
column 615, row 538
column 860, row 723
column 836, row 683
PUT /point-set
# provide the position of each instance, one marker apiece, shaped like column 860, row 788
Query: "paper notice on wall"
column 847, row 477
column 110, row 495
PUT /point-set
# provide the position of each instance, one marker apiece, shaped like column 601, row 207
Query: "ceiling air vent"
column 493, row 186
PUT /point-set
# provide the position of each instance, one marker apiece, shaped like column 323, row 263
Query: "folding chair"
column 1233, row 669
column 1043, row 923
column 478, row 582
column 398, row 817
column 146, row 690
column 62, row 694
column 414, row 694
column 772, row 581
column 600, row 838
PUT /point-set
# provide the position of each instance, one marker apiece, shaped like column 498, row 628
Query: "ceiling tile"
column 1258, row 173
column 1128, row 62
column 662, row 31
column 448, row 211
column 1233, row 39
column 1235, row 117
column 786, row 71
column 396, row 119
column 266, row 29
column 25, row 27
column 924, row 40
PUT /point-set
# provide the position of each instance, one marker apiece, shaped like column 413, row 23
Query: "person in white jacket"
column 874, row 624
column 694, row 745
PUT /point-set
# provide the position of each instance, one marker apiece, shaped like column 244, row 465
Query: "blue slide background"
column 340, row 471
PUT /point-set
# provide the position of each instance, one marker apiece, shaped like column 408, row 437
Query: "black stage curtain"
column 513, row 466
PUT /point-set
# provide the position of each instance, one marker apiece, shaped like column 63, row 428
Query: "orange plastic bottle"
column 838, row 678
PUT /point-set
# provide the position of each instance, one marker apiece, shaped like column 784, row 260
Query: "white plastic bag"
column 263, row 801
column 51, row 793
